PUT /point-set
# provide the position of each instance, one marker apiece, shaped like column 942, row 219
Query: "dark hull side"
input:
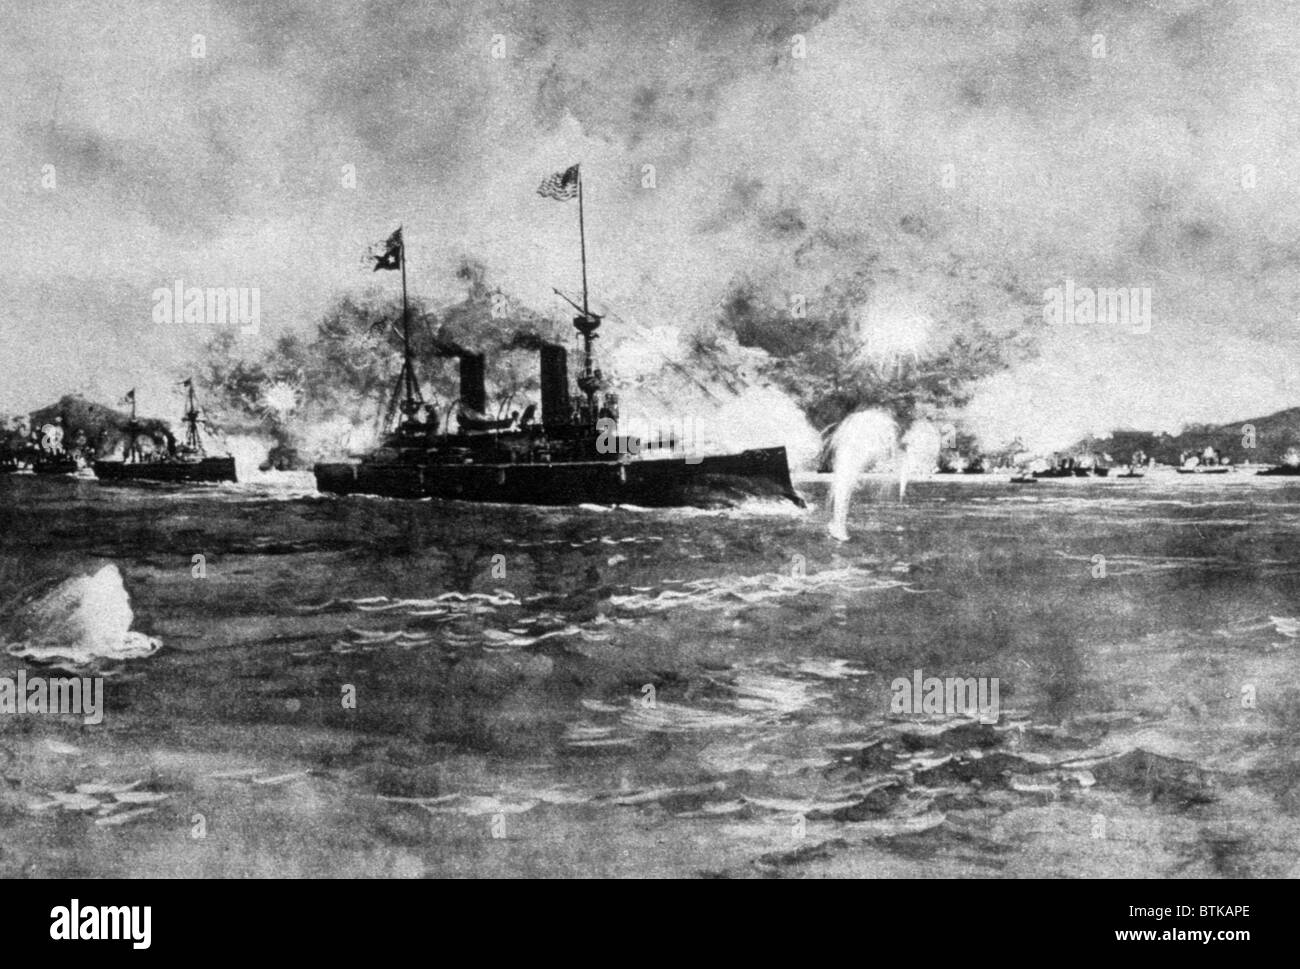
column 712, row 481
column 54, row 466
column 209, row 469
column 1062, row 473
column 1284, row 471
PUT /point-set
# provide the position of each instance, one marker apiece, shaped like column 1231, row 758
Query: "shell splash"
column 863, row 440
column 83, row 619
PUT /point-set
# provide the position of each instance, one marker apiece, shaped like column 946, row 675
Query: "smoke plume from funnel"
column 450, row 348
column 526, row 340
column 864, row 439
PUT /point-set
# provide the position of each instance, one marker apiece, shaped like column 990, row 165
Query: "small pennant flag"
column 391, row 257
column 560, row 186
column 130, row 397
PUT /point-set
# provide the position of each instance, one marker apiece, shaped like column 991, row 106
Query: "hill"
column 1262, row 440
column 103, row 428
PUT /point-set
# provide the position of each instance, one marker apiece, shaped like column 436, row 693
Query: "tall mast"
column 582, row 241
column 586, row 324
column 410, row 388
column 192, row 418
column 131, row 429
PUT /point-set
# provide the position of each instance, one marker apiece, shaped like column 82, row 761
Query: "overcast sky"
column 1126, row 169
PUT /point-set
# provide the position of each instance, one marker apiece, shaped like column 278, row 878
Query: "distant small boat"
column 1282, row 470
column 1206, row 469
column 1132, row 474
column 1024, row 479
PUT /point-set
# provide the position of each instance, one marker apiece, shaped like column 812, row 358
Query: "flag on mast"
column 130, row 397
column 391, row 257
column 561, row 186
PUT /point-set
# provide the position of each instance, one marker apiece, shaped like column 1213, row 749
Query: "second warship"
column 185, row 462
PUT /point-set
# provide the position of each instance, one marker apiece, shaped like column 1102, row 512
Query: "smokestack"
column 473, row 393
column 555, row 384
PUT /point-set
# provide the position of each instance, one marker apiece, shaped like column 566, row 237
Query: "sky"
column 1111, row 144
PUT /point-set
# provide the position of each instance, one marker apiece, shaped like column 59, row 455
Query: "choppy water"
column 590, row 691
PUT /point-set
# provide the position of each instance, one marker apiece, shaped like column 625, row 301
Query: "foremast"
column 193, row 440
column 406, row 396
column 412, row 401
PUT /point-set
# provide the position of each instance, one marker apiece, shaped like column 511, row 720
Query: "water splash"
column 921, row 446
column 82, row 620
column 863, row 440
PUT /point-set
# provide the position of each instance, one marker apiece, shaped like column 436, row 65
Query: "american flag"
column 562, row 185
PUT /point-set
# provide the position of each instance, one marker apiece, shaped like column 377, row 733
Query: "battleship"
column 570, row 453
column 187, row 462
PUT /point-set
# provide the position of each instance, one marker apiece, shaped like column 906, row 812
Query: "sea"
column 298, row 684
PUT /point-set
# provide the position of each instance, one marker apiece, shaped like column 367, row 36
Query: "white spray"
column 863, row 440
column 921, row 446
column 869, row 439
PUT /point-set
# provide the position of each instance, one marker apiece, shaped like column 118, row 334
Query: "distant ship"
column 60, row 463
column 186, row 462
column 41, row 452
column 1074, row 468
column 1289, row 467
column 571, row 453
column 1067, row 468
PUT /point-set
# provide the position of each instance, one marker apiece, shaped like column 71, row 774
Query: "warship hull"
column 57, row 465
column 705, row 482
column 128, row 472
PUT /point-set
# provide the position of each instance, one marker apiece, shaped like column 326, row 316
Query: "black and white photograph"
column 586, row 439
